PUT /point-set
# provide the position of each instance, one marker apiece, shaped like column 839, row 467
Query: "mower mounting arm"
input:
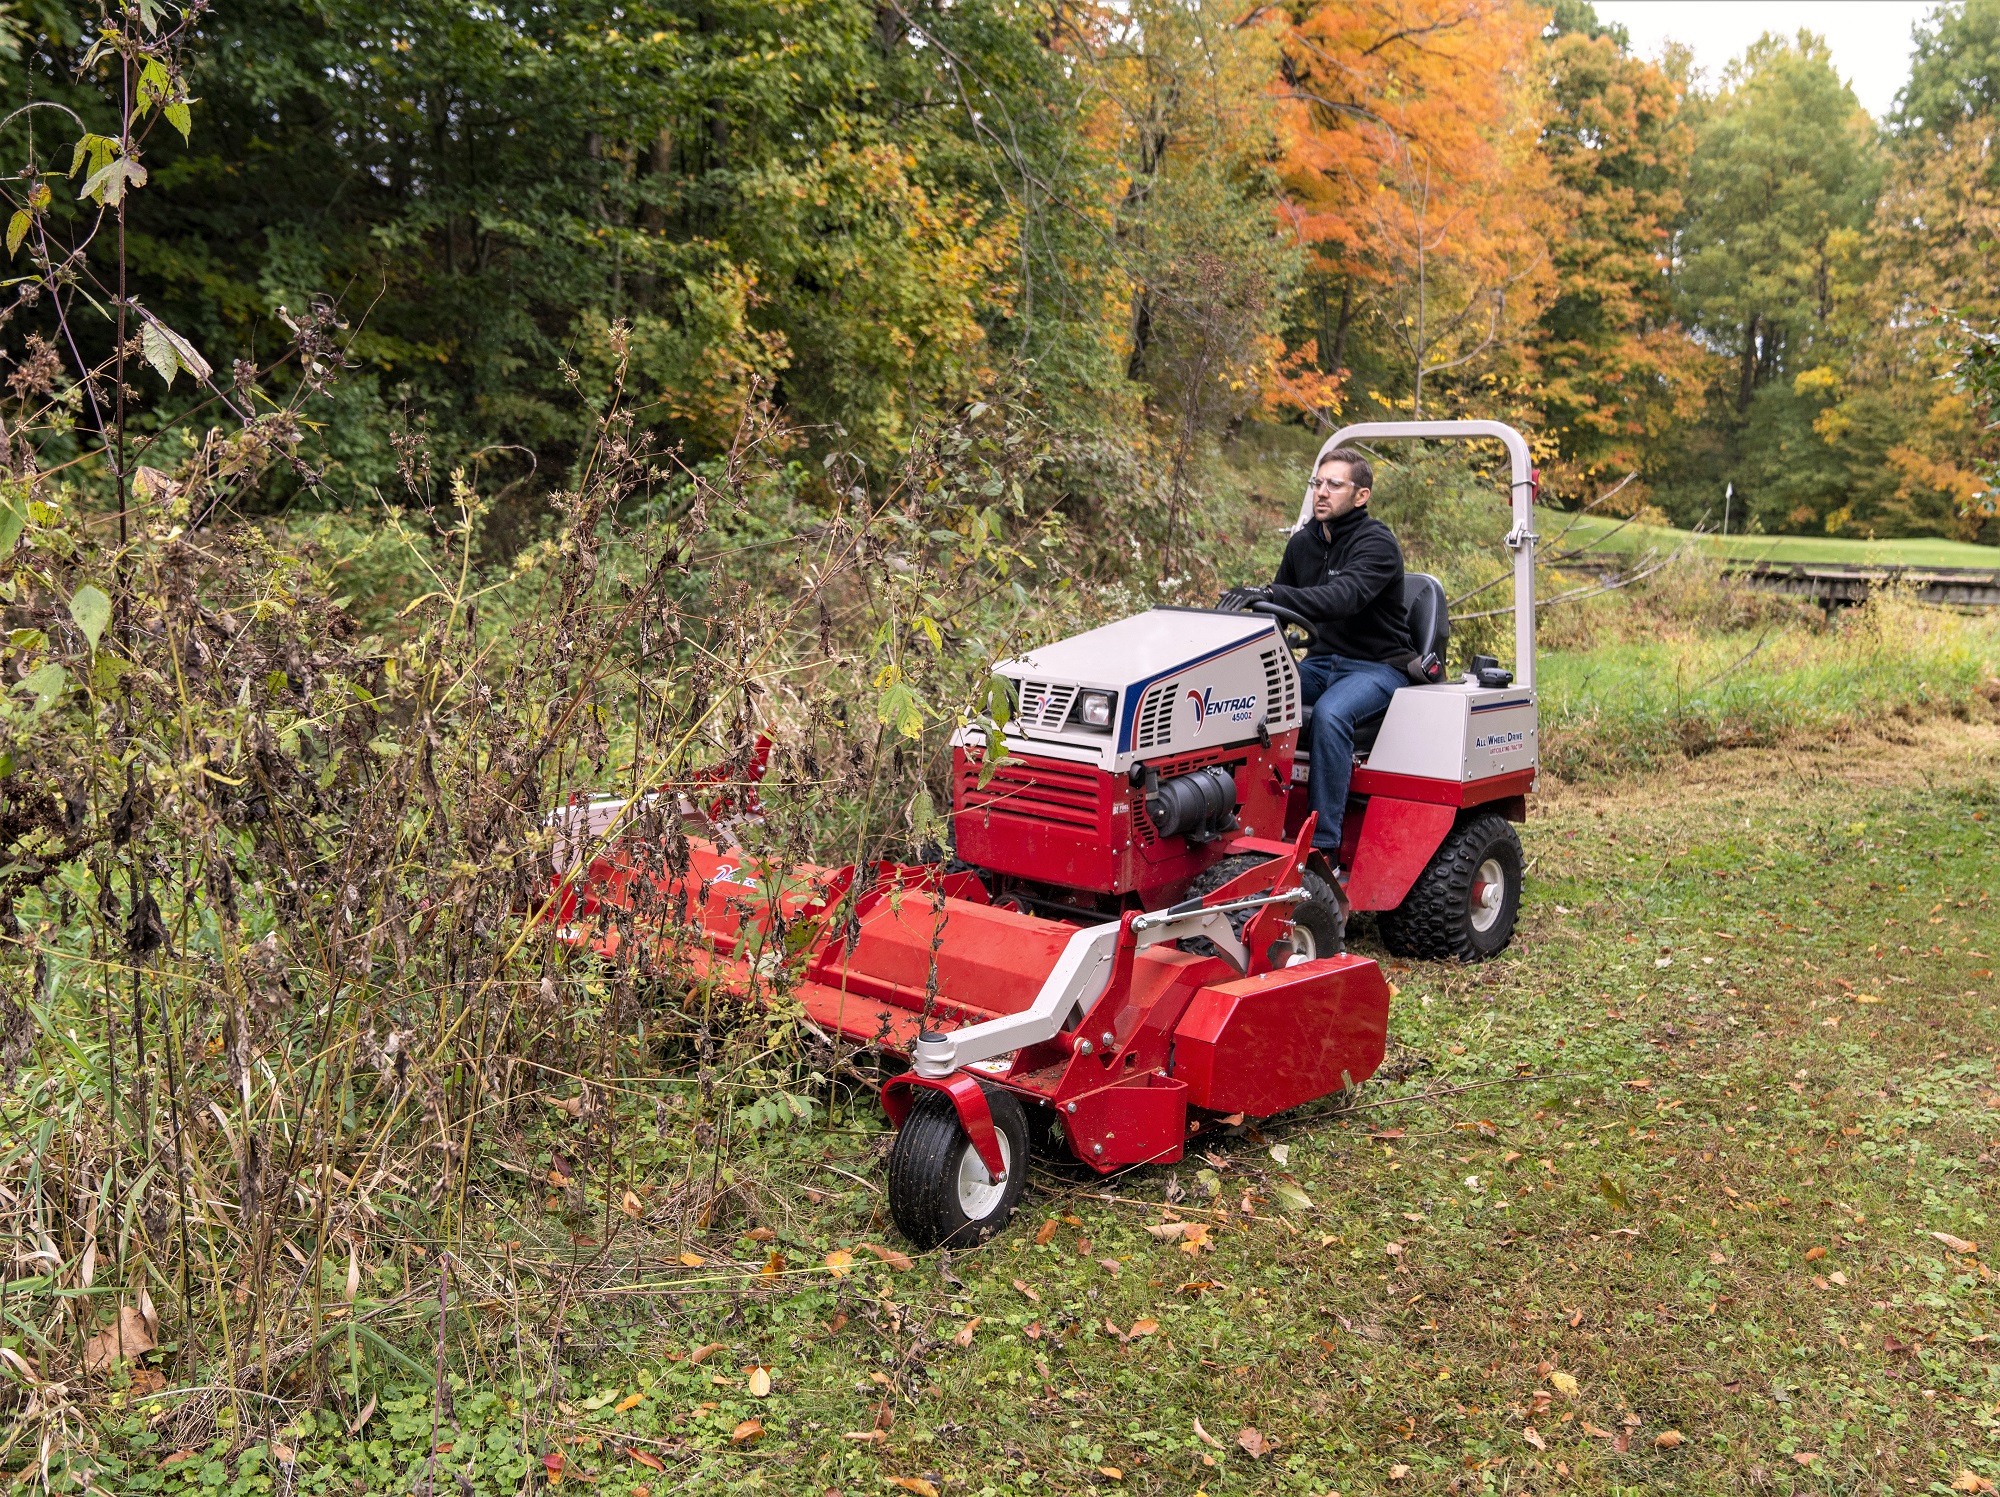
column 1081, row 974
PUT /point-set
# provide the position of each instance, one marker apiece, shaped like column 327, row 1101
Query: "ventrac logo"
column 1207, row 704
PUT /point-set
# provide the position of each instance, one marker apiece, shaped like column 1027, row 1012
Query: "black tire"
column 938, row 1190
column 1316, row 920
column 1449, row 915
column 1317, row 929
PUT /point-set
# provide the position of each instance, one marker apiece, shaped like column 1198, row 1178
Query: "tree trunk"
column 1747, row 377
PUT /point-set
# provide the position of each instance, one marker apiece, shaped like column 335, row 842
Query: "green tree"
column 1783, row 180
column 1615, row 374
column 1954, row 69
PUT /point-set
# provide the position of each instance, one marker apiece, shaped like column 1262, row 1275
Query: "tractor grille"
column 1033, row 792
column 1156, row 716
column 1281, row 689
column 1045, row 705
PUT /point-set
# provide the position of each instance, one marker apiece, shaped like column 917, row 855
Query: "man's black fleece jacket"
column 1346, row 575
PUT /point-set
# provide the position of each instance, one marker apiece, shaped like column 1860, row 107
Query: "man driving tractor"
column 1344, row 574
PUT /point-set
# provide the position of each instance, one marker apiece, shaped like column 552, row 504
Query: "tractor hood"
column 1179, row 679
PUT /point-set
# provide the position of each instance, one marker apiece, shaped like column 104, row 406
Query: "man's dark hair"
column 1357, row 466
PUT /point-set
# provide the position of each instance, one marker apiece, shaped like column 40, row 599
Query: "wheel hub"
column 1489, row 892
column 978, row 1195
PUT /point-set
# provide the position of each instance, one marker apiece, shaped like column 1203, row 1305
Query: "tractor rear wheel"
column 1463, row 906
column 939, row 1191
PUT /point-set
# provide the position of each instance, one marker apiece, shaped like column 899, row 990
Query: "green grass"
column 1596, row 533
column 1687, row 1143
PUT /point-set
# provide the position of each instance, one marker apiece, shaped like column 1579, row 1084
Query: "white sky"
column 1869, row 39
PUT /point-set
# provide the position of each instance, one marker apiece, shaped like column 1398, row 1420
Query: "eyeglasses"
column 1330, row 485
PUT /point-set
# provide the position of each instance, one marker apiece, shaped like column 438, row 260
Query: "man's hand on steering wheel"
column 1242, row 599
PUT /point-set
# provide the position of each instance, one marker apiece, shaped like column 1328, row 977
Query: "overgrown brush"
column 283, row 993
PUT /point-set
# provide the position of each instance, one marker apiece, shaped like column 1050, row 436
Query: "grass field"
column 1590, row 532
column 1690, row 1191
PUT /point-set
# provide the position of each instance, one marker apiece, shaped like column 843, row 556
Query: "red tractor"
column 1139, row 938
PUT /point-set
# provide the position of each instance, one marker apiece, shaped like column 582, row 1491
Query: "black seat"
column 1429, row 615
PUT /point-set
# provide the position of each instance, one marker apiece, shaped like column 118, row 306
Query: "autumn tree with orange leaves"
column 1413, row 181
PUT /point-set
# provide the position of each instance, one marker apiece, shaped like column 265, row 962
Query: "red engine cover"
column 1259, row 1045
column 1076, row 826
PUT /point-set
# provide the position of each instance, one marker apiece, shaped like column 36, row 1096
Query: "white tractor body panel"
column 1457, row 732
column 1181, row 679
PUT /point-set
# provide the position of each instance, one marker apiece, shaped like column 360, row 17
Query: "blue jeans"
column 1339, row 693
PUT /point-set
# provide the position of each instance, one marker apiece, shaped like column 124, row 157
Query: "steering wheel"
column 1295, row 627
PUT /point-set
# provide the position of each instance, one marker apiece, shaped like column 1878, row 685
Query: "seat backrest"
column 1429, row 614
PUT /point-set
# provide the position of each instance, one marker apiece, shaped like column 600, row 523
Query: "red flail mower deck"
column 1015, row 1024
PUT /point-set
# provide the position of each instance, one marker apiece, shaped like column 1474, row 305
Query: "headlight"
column 1093, row 710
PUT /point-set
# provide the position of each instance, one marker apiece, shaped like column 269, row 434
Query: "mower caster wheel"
column 1463, row 905
column 939, row 1192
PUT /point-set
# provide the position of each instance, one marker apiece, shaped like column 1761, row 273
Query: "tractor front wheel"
column 939, row 1192
column 1463, row 905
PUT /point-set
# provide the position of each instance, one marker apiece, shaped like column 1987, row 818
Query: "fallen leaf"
column 1970, row 1481
column 691, row 1260
column 761, row 1234
column 1956, row 1244
column 148, row 1380
column 702, row 1353
column 1111, row 1471
column 1393, row 1249
column 128, row 1338
column 1204, row 1436
column 964, row 1336
column 1033, row 1330
column 840, row 1263
column 1023, row 1287
column 1146, row 1327
column 1168, row 1231
column 773, row 1266
column 1594, row 1432
column 746, row 1432
column 1253, row 1444
column 1291, row 1197
column 760, row 1383
column 1110, row 1266
column 866, row 1436
column 1195, row 1239
column 632, row 1206
column 626, row 1405
column 284, row 1453
column 913, row 1484
column 1667, row 1439
column 1563, row 1383
column 1813, row 1254
column 1622, row 1441
column 646, row 1458
column 1805, row 1457
column 898, row 1261
column 1837, row 1277
column 553, row 1463
column 1045, row 1232
column 1398, row 1471
column 1533, row 1437
column 1384, row 1135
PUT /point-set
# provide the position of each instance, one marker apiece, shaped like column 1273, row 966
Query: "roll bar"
column 1520, row 540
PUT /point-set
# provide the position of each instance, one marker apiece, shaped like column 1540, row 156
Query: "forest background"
column 1150, row 226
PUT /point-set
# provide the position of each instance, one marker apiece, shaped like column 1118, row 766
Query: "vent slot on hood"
column 1156, row 716
column 1045, row 705
column 1281, row 689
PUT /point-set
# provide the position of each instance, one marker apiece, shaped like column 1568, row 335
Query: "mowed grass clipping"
column 1635, row 701
column 1692, row 1190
